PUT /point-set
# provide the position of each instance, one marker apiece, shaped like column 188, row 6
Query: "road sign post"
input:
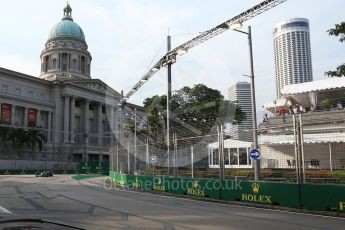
column 255, row 154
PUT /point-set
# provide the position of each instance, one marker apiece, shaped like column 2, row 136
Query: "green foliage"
column 195, row 110
column 326, row 104
column 339, row 30
column 339, row 72
column 20, row 137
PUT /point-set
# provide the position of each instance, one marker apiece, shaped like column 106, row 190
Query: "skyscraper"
column 292, row 53
column 240, row 95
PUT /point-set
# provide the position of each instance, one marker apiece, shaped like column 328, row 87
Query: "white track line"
column 2, row 209
column 6, row 179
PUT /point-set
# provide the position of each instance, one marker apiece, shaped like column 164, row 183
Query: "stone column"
column 13, row 112
column 38, row 118
column 86, row 120
column 26, row 111
column 72, row 128
column 111, row 123
column 66, row 120
column 99, row 124
column 116, row 123
column 49, row 127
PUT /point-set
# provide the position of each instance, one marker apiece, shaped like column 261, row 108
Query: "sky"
column 126, row 36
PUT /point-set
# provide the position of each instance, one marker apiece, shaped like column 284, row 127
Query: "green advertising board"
column 267, row 193
column 323, row 197
column 205, row 188
column 308, row 196
column 94, row 168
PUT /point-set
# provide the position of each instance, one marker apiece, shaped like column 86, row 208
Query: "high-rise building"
column 240, row 95
column 292, row 53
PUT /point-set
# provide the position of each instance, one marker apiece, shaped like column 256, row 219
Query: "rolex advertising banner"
column 203, row 188
column 32, row 117
column 267, row 193
column 6, row 112
column 141, row 182
column 94, row 168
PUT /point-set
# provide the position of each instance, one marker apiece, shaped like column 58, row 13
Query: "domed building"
column 78, row 115
column 65, row 55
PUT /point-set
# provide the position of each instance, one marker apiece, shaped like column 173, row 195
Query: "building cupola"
column 65, row 55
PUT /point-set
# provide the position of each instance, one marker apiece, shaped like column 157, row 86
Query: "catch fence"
column 303, row 148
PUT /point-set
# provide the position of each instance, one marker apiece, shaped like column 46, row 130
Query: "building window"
column 42, row 97
column 74, row 64
column 30, row 94
column 90, row 106
column 82, row 64
column 4, row 88
column 64, row 62
column 18, row 92
column 46, row 64
column 54, row 63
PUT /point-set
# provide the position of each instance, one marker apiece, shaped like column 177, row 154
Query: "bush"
column 326, row 104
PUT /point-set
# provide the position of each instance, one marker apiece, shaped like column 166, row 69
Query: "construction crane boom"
column 170, row 57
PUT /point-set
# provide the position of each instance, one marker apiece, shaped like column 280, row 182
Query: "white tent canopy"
column 307, row 138
column 275, row 104
column 230, row 143
column 309, row 93
column 314, row 86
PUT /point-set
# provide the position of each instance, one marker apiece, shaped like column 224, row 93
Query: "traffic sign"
column 154, row 159
column 254, row 154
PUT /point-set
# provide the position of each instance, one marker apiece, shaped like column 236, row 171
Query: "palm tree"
column 4, row 133
column 18, row 138
column 35, row 137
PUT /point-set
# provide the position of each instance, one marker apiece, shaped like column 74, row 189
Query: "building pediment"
column 95, row 85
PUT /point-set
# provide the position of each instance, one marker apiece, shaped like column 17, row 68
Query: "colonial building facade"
column 79, row 116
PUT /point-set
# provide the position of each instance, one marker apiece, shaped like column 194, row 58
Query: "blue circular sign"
column 254, row 154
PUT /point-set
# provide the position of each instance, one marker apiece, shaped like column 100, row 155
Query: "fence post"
column 111, row 159
column 135, row 140
column 175, row 155
column 296, row 148
column 192, row 159
column 330, row 156
column 128, row 161
column 302, row 148
column 221, row 151
column 117, row 158
column 147, row 155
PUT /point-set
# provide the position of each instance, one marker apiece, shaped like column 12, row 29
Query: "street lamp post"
column 252, row 92
column 168, row 103
column 135, row 140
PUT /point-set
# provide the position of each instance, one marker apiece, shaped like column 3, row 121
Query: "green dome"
column 66, row 28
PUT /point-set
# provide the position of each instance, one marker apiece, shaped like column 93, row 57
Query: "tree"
column 4, row 133
column 31, row 138
column 339, row 30
column 35, row 138
column 18, row 138
column 195, row 111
